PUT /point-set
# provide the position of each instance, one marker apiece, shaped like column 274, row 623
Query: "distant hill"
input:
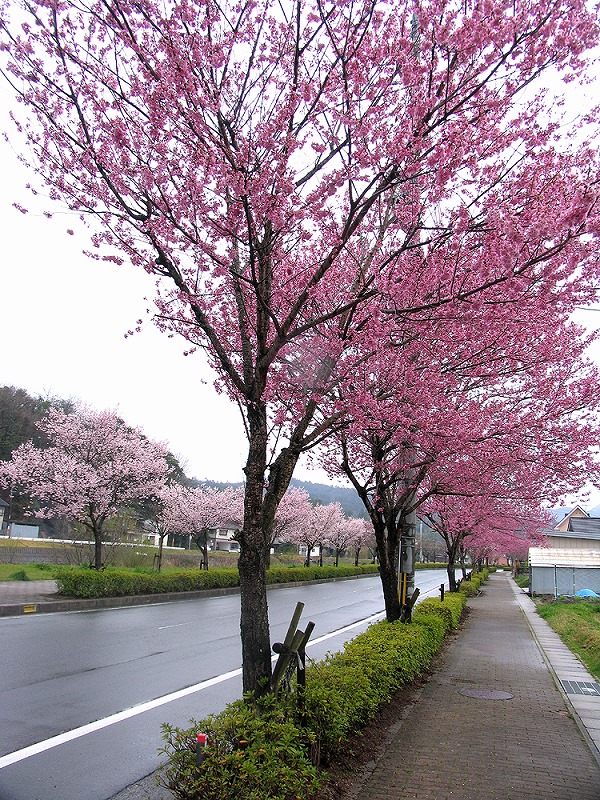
column 318, row 493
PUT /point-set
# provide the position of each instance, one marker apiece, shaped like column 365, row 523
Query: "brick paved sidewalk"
column 452, row 746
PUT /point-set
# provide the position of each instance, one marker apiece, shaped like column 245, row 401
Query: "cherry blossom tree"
column 280, row 167
column 501, row 417
column 204, row 508
column 362, row 536
column 343, row 535
column 293, row 515
column 94, row 466
column 315, row 532
column 165, row 515
column 484, row 527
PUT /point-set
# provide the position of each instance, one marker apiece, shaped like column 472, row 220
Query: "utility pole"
column 406, row 568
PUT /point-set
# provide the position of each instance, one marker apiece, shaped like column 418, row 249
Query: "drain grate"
column 581, row 687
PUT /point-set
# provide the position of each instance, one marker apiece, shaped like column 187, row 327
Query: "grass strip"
column 577, row 622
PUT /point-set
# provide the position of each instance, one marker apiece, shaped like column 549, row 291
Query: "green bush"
column 253, row 752
column 119, row 582
column 115, row 582
column 18, row 575
column 472, row 586
column 449, row 609
column 43, row 567
column 344, row 692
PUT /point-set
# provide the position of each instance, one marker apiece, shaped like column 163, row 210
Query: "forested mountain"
column 318, row 493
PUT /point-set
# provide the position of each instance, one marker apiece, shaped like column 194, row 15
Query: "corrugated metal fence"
column 556, row 580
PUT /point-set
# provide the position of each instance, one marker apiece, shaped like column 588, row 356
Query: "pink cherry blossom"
column 94, row 467
column 295, row 174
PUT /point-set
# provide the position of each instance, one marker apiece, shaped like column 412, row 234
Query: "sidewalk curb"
column 527, row 607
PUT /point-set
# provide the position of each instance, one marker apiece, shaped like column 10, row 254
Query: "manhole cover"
column 486, row 694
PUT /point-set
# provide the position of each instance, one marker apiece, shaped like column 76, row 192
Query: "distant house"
column 224, row 538
column 564, row 515
column 571, row 560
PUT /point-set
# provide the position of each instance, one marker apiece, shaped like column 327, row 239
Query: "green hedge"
column 119, row 582
column 293, row 574
column 472, row 586
column 280, row 747
column 449, row 610
column 114, row 582
column 254, row 752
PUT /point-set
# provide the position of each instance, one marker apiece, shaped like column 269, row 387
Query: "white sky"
column 64, row 318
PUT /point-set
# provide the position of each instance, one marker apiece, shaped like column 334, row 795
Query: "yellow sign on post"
column 402, row 587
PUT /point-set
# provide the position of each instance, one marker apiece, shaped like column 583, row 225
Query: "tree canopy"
column 93, row 466
column 302, row 176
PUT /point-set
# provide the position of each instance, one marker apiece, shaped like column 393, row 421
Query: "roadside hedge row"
column 270, row 750
column 471, row 587
column 115, row 582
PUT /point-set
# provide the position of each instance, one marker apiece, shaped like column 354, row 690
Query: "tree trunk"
column 387, row 549
column 160, row 551
column 261, row 500
column 254, row 618
column 451, row 548
column 356, row 554
column 205, row 551
column 97, row 547
column 451, row 575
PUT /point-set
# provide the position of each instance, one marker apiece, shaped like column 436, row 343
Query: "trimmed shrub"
column 449, row 610
column 120, row 582
column 281, row 744
column 469, row 588
column 253, row 752
column 114, row 582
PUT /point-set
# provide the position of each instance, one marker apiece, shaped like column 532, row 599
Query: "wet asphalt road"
column 108, row 679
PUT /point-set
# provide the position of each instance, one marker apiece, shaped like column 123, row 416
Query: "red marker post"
column 200, row 745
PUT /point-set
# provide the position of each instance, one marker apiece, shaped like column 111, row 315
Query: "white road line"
column 121, row 716
column 178, row 625
column 76, row 733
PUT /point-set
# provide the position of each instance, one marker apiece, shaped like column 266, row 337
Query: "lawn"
column 26, row 572
column 577, row 622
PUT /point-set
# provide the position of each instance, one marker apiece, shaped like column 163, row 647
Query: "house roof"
column 585, row 527
column 561, row 512
column 558, row 557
